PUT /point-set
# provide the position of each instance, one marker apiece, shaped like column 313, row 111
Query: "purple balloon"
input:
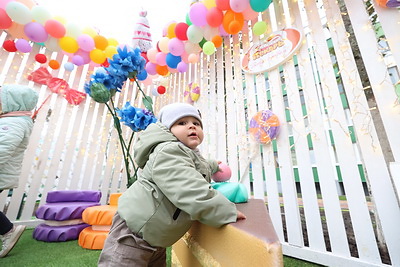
column 151, row 68
column 77, row 60
column 23, row 46
column 85, row 42
column 182, row 67
column 36, row 32
column 197, row 14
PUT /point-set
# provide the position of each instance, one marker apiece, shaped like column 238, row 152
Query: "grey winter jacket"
column 14, row 132
column 172, row 191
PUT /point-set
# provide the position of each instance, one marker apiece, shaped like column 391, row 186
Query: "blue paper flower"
column 135, row 118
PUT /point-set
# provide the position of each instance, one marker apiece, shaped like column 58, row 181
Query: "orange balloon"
column 230, row 17
column 100, row 42
column 217, row 40
column 54, row 64
column 162, row 70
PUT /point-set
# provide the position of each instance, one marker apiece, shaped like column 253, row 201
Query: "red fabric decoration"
column 57, row 85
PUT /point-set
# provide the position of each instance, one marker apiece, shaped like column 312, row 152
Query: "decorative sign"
column 272, row 51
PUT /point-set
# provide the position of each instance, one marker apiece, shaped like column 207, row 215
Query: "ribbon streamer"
column 57, row 85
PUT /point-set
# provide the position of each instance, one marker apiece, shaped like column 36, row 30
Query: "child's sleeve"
column 213, row 165
column 11, row 137
column 176, row 176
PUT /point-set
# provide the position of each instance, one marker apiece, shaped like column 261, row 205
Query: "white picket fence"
column 342, row 147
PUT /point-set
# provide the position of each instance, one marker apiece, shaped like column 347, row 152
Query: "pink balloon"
column 84, row 55
column 160, row 58
column 249, row 13
column 222, row 31
column 36, row 32
column 151, row 68
column 3, row 3
column 197, row 14
column 239, row 5
column 85, row 42
column 23, row 46
column 185, row 57
column 172, row 70
column 176, row 47
column 224, row 174
column 182, row 66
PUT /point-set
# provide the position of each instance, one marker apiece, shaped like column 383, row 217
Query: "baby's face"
column 188, row 130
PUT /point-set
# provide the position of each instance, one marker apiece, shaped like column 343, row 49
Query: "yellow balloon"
column 209, row 3
column 171, row 30
column 112, row 42
column 100, row 42
column 89, row 31
column 110, row 51
column 68, row 44
column 97, row 56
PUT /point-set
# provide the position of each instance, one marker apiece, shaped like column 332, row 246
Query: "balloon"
column 187, row 19
column 73, row 30
column 182, row 67
column 180, row 31
column 141, row 76
column 176, row 47
column 97, row 56
column 224, row 173
column 89, row 31
column 69, row 66
column 69, row 44
column 217, row 40
column 171, row 30
column 202, row 42
column 23, row 46
column 259, row 28
column 232, row 22
column 197, row 14
column 55, row 28
column 223, row 4
column 193, row 58
column 238, row 5
column 160, row 59
column 162, row 70
column 77, row 60
column 100, row 42
column 184, row 57
column 172, row 61
column 85, row 42
column 154, row 92
column 41, row 58
column 9, row 46
column 194, row 34
column 260, row 5
column 163, row 44
column 192, row 48
column 5, row 20
column 209, row 3
column 214, row 17
column 110, row 51
column 151, row 54
column 52, row 45
column 36, row 32
column 113, row 42
column 40, row 14
column 19, row 12
column 151, row 68
column 3, row 3
column 264, row 126
column 54, row 64
column 161, row 89
column 208, row 48
column 209, row 32
column 249, row 13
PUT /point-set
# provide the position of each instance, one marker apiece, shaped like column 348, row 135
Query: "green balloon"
column 260, row 5
column 188, row 22
column 208, row 48
column 202, row 42
column 259, row 27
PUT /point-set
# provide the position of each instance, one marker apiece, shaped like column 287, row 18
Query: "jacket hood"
column 16, row 97
column 155, row 134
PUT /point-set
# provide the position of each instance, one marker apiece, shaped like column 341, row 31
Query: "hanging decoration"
column 141, row 35
column 264, row 126
column 57, row 85
column 192, row 92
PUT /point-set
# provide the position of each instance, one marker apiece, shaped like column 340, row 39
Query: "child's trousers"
column 123, row 248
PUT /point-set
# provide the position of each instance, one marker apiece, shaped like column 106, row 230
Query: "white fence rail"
column 330, row 176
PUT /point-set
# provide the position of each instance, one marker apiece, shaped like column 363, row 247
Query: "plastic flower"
column 135, row 118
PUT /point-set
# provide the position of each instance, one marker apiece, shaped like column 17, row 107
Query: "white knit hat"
column 169, row 114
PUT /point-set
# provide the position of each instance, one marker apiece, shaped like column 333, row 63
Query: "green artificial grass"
column 32, row 253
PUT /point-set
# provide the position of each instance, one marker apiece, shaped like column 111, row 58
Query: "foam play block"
column 63, row 210
column 48, row 233
column 92, row 239
column 73, row 196
column 99, row 215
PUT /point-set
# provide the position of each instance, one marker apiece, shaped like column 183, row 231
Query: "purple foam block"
column 73, row 196
column 63, row 210
column 48, row 233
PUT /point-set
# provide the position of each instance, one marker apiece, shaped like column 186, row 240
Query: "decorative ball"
column 54, row 64
column 264, row 126
column 41, row 58
column 224, row 174
column 161, row 89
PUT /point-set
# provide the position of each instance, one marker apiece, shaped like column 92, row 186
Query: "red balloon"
column 41, row 58
column 5, row 20
column 223, row 4
column 180, row 31
column 214, row 17
column 9, row 46
column 161, row 89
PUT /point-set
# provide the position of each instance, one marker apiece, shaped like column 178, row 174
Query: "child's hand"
column 240, row 216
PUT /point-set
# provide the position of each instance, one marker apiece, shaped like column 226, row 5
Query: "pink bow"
column 57, row 85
